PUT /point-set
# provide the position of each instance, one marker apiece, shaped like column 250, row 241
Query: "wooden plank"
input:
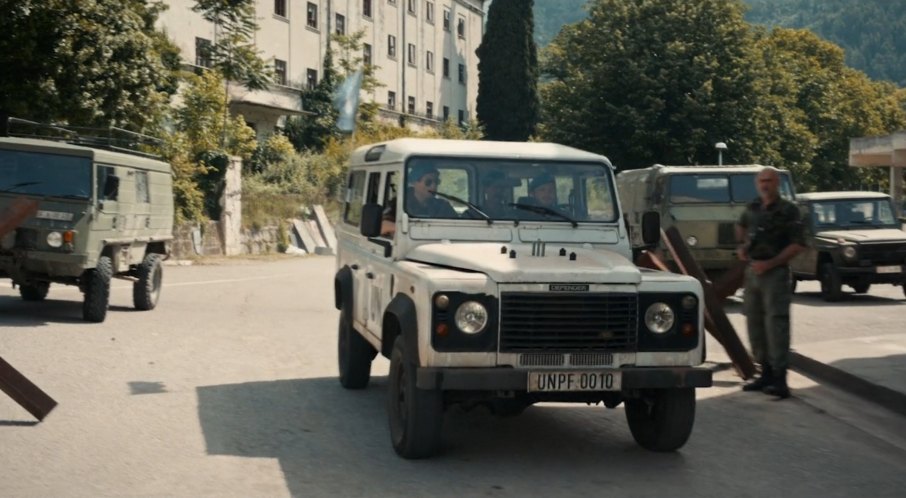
column 301, row 229
column 714, row 305
column 23, row 392
column 326, row 228
column 730, row 281
column 315, row 233
column 19, row 210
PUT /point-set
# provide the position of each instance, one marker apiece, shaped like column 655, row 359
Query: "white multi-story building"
column 424, row 51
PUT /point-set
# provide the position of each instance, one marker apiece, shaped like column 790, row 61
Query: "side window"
column 108, row 183
column 142, row 192
column 355, row 196
column 374, row 187
column 391, row 190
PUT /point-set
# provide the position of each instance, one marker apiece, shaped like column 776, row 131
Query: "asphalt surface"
column 229, row 389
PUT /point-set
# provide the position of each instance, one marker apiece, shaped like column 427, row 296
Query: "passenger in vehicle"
column 420, row 199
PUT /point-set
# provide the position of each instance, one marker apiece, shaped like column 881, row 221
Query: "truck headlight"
column 692, row 240
column 659, row 318
column 849, row 252
column 471, row 317
column 55, row 239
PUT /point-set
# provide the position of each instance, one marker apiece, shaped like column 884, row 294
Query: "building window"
column 411, row 7
column 462, row 117
column 366, row 56
column 429, row 12
column 391, row 46
column 429, row 61
column 461, row 27
column 280, row 72
column 410, row 58
column 203, row 52
column 341, row 24
column 462, row 73
column 446, row 68
column 391, row 101
column 429, row 109
column 411, row 105
column 312, row 16
column 446, row 112
column 366, row 8
column 280, row 8
column 447, row 15
column 311, row 78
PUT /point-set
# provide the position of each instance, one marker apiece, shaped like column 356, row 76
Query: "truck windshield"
column 53, row 175
column 853, row 213
column 720, row 188
column 496, row 189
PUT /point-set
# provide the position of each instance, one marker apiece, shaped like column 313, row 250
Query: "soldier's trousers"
column 767, row 309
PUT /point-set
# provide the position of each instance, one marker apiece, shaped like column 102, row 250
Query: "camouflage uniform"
column 767, row 296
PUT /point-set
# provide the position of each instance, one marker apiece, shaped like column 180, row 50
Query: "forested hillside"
column 551, row 15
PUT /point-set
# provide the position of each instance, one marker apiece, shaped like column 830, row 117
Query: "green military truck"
column 703, row 202
column 102, row 214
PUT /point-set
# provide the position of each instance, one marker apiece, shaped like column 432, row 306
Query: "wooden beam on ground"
column 23, row 392
column 18, row 211
column 680, row 252
column 730, row 281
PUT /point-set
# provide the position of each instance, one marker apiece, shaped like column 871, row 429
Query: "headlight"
column 471, row 317
column 692, row 240
column 55, row 239
column 659, row 318
column 849, row 252
column 689, row 302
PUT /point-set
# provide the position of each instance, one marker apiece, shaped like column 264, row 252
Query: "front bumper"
column 510, row 379
column 870, row 274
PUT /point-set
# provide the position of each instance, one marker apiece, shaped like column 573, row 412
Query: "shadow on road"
column 849, row 299
column 19, row 313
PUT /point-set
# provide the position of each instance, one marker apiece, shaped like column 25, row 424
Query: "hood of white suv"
column 590, row 266
column 867, row 235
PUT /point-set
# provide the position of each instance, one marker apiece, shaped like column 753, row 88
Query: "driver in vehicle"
column 420, row 199
column 543, row 190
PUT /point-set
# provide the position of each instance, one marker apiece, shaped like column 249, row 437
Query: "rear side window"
column 355, row 197
column 142, row 191
column 107, row 192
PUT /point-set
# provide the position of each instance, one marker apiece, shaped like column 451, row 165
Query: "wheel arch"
column 400, row 318
column 342, row 289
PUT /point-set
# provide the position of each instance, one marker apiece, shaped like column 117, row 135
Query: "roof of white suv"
column 398, row 150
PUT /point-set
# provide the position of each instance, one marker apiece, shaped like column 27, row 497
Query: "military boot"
column 759, row 384
column 779, row 387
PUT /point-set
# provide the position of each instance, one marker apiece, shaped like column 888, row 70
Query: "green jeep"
column 101, row 214
column 703, row 202
column 853, row 239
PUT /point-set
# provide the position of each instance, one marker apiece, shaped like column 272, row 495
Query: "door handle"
column 369, row 275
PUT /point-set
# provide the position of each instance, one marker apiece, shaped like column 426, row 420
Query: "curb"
column 878, row 394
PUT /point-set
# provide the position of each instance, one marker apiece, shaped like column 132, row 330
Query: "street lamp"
column 721, row 147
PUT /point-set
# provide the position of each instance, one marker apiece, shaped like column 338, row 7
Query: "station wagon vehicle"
column 703, row 202
column 853, row 239
column 491, row 297
column 102, row 214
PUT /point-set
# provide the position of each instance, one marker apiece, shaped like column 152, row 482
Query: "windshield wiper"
column 19, row 185
column 545, row 210
column 473, row 207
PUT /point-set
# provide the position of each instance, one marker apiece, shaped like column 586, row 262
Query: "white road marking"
column 182, row 284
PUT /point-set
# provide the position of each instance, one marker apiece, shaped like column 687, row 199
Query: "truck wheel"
column 861, row 288
column 662, row 420
column 793, row 283
column 831, row 284
column 34, row 292
column 97, row 290
column 354, row 354
column 416, row 415
column 146, row 290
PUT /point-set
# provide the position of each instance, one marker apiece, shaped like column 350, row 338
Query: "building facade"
column 423, row 50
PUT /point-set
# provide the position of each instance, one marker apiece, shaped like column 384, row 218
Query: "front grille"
column 883, row 254
column 541, row 360
column 568, row 322
column 726, row 235
column 591, row 359
column 26, row 238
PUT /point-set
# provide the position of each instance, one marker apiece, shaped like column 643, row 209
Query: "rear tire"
column 861, row 288
column 146, row 290
column 97, row 290
column 34, row 292
column 662, row 419
column 354, row 355
column 416, row 415
column 831, row 284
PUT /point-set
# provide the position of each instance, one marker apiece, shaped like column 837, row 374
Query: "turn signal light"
column 68, row 236
column 442, row 329
column 688, row 329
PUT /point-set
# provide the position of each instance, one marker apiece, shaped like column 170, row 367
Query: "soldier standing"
column 770, row 235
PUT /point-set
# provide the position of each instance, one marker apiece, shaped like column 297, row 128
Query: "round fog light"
column 471, row 317
column 689, row 302
column 849, row 252
column 442, row 301
column 692, row 240
column 55, row 239
column 659, row 318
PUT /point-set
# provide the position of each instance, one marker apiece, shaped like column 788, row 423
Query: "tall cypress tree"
column 508, row 105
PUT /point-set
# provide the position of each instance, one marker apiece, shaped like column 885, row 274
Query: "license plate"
column 890, row 269
column 574, row 381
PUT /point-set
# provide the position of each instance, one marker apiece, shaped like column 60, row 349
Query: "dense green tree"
column 312, row 130
column 647, row 81
column 233, row 53
column 508, row 106
column 96, row 63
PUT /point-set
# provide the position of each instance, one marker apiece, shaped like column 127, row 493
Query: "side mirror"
column 651, row 228
column 111, row 188
column 372, row 216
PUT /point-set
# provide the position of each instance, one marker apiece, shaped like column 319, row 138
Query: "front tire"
column 662, row 419
column 354, row 355
column 97, row 290
column 146, row 290
column 831, row 283
column 416, row 415
column 34, row 292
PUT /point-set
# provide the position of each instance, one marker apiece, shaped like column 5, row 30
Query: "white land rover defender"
column 499, row 273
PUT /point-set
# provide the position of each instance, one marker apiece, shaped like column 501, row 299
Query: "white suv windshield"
column 856, row 213
column 509, row 190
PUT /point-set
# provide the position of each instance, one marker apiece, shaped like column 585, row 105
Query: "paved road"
column 229, row 389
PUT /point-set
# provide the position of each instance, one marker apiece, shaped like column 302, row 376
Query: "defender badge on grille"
column 568, row 287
